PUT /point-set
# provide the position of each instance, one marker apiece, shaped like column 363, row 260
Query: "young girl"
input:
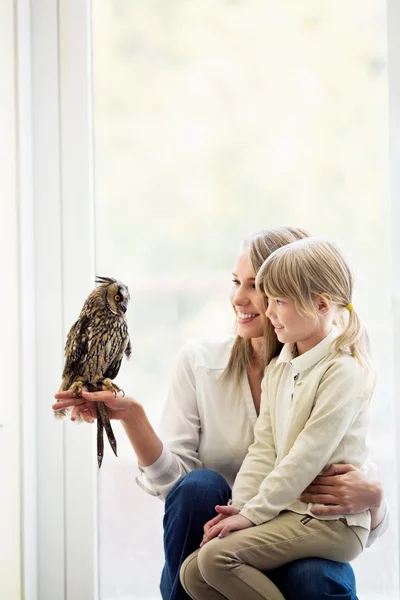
column 314, row 412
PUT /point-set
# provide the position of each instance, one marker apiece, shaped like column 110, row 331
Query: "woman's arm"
column 346, row 490
column 145, row 442
column 161, row 464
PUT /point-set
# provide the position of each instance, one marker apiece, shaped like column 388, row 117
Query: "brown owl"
column 95, row 346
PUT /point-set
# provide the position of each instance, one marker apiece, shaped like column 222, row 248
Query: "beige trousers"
column 232, row 567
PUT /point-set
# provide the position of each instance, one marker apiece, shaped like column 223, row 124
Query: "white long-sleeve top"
column 315, row 411
column 205, row 424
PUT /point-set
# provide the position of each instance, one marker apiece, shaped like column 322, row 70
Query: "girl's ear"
column 323, row 303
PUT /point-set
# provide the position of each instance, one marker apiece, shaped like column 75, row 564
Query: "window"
column 214, row 120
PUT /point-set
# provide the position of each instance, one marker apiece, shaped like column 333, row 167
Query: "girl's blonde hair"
column 313, row 267
column 260, row 246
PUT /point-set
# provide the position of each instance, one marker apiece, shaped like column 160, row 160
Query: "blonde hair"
column 260, row 246
column 313, row 267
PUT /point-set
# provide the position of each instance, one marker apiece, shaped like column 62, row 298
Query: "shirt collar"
column 311, row 357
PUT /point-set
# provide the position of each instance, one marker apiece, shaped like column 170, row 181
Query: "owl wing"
column 128, row 349
column 114, row 367
column 77, row 346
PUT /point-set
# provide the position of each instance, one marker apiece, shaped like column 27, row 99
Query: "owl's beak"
column 123, row 308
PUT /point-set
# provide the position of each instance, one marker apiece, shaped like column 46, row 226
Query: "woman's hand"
column 232, row 523
column 345, row 490
column 118, row 406
column 224, row 512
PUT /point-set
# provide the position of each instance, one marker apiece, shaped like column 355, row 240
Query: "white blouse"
column 206, row 424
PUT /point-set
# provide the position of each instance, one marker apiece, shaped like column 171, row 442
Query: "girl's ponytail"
column 354, row 339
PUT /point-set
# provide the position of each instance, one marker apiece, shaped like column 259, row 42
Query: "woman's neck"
column 257, row 363
column 255, row 372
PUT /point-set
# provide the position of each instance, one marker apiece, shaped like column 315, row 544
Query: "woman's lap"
column 315, row 579
column 191, row 503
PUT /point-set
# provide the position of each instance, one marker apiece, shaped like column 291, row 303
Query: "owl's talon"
column 76, row 389
column 112, row 387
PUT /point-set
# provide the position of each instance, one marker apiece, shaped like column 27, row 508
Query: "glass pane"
column 212, row 121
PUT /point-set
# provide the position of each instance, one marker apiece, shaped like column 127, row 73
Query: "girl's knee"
column 189, row 574
column 213, row 559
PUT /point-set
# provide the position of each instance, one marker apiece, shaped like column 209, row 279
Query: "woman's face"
column 248, row 306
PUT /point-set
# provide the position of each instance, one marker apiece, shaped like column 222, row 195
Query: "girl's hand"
column 224, row 512
column 345, row 490
column 118, row 406
column 232, row 523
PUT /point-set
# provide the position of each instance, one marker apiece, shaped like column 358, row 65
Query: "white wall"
column 10, row 459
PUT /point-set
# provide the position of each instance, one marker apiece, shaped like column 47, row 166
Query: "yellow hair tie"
column 349, row 307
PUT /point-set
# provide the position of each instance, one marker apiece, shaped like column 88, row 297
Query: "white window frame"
column 47, row 158
column 64, row 275
column 51, row 113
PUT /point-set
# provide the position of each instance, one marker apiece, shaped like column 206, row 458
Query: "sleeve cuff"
column 160, row 467
column 251, row 516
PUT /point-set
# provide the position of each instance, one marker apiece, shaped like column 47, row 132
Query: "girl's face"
column 248, row 305
column 292, row 327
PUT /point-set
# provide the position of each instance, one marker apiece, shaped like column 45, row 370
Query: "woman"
column 207, row 427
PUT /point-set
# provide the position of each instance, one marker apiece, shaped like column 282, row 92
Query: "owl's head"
column 115, row 294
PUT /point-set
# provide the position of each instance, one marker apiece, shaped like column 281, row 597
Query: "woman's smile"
column 244, row 318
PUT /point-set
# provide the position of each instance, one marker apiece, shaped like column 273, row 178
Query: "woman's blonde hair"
column 313, row 267
column 260, row 246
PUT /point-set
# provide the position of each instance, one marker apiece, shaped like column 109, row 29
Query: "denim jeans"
column 191, row 503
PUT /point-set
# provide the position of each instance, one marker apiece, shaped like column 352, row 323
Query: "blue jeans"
column 191, row 503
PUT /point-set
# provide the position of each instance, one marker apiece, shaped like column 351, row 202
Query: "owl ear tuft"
column 104, row 280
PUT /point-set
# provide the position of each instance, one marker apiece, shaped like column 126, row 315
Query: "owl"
column 95, row 347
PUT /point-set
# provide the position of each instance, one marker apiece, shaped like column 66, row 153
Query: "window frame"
column 62, row 254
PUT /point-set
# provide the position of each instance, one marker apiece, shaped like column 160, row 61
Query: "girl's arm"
column 340, row 397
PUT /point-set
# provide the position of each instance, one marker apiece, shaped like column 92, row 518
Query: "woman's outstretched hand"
column 344, row 490
column 118, row 406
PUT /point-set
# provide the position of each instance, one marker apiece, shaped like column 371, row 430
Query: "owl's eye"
column 117, row 298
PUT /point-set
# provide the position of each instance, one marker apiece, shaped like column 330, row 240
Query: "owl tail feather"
column 100, row 440
column 103, row 422
column 61, row 414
